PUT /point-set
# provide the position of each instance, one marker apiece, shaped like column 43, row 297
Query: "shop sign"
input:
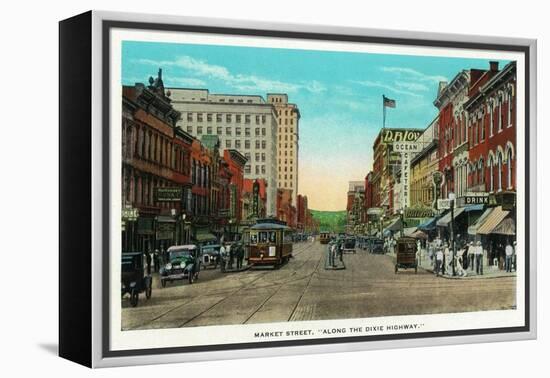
column 407, row 147
column 405, row 178
column 418, row 213
column 443, row 204
column 168, row 194
column 476, row 199
column 255, row 198
column 130, row 213
column 401, row 135
column 165, row 230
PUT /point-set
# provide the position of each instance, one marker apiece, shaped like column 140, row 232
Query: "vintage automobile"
column 376, row 246
column 210, row 255
column 406, row 254
column 349, row 244
column 134, row 279
column 183, row 263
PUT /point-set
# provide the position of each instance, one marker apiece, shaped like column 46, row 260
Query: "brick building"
column 492, row 131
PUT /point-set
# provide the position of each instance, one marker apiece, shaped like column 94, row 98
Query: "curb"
column 474, row 277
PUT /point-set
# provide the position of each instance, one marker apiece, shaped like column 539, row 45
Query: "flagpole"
column 383, row 112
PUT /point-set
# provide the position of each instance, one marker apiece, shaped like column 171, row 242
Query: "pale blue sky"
column 339, row 95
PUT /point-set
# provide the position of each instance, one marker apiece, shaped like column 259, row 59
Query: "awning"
column 165, row 219
column 492, row 221
column 472, row 230
column 419, row 235
column 506, row 227
column 409, row 231
column 202, row 237
column 478, row 207
column 428, row 225
column 394, row 226
column 446, row 219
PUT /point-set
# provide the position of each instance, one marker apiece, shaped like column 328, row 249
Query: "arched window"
column 510, row 168
column 500, row 100
column 499, row 173
column 491, row 174
column 480, row 171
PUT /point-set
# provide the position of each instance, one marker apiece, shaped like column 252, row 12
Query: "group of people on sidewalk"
column 469, row 256
column 231, row 254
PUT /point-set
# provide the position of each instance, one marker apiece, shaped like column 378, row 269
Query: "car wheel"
column 191, row 278
column 148, row 291
column 134, row 297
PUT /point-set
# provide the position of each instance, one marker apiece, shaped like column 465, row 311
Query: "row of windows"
column 286, row 161
column 237, row 144
column 147, row 144
column 292, row 138
column 286, row 169
column 229, row 118
column 287, row 177
column 259, row 157
column 456, row 133
column 258, row 169
column 287, row 121
column 287, row 152
column 228, row 131
column 286, row 184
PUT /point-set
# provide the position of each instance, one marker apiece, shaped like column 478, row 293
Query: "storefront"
column 496, row 230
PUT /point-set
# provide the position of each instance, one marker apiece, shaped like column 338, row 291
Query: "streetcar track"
column 241, row 288
column 305, row 289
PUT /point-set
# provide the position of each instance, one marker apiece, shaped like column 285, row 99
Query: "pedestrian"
column 148, row 260
column 479, row 258
column 231, row 253
column 240, row 256
column 514, row 258
column 448, row 260
column 331, row 254
column 438, row 261
column 509, row 251
column 223, row 257
column 471, row 255
column 156, row 260
column 341, row 252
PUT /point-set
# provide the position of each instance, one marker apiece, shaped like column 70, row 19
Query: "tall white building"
column 241, row 122
column 288, row 117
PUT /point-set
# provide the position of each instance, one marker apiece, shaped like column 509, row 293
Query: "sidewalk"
column 488, row 271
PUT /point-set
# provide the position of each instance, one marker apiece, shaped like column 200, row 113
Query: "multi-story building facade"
column 236, row 163
column 288, row 117
column 155, row 154
column 453, row 136
column 355, row 208
column 301, row 212
column 286, row 211
column 250, row 213
column 244, row 123
column 492, row 131
column 423, row 165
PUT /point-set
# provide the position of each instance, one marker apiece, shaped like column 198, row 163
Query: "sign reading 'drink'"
column 168, row 194
column 407, row 147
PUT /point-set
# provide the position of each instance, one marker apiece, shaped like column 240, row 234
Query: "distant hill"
column 333, row 221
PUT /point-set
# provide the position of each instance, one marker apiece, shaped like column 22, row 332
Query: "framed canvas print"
column 237, row 189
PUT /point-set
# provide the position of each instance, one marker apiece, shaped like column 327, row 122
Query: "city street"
column 304, row 290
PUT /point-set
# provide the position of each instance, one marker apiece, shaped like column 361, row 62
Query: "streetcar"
column 269, row 243
column 324, row 237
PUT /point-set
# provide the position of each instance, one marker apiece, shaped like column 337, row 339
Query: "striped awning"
column 492, row 221
column 446, row 219
column 472, row 230
column 506, row 227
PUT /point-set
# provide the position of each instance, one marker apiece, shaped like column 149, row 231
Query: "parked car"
column 349, row 244
column 376, row 245
column 134, row 279
column 210, row 255
column 183, row 263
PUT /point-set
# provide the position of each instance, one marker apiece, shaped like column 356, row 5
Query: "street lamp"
column 452, row 205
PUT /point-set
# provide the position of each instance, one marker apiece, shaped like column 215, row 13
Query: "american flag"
column 388, row 102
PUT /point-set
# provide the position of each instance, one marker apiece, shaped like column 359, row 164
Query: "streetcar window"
column 272, row 237
column 288, row 237
column 263, row 237
column 253, row 238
